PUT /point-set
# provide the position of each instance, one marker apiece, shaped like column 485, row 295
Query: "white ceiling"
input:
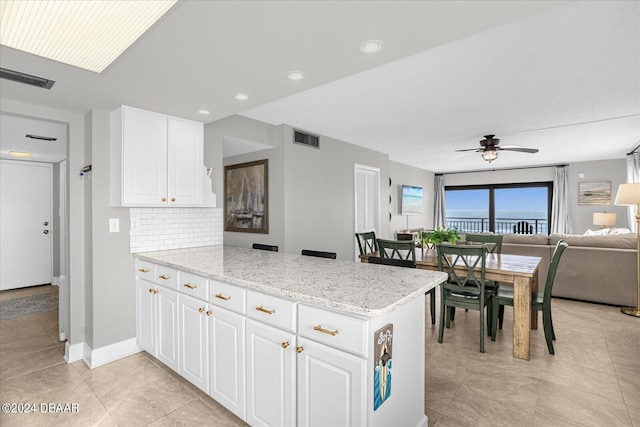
column 449, row 73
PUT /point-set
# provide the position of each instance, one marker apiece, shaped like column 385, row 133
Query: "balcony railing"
column 503, row 225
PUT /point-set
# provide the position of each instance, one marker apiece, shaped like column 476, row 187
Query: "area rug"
column 27, row 306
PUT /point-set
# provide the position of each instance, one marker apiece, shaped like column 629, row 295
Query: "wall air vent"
column 28, row 79
column 306, row 139
column 41, row 138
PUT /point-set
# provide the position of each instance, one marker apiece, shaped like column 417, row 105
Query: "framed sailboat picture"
column 246, row 199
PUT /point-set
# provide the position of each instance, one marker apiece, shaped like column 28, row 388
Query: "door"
column 270, row 376
column 25, row 230
column 367, row 201
column 330, row 378
column 194, row 341
column 167, row 306
column 185, row 163
column 146, row 316
column 227, row 367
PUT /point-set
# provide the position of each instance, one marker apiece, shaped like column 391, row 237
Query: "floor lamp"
column 629, row 195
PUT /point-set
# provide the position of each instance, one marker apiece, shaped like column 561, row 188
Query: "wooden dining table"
column 519, row 270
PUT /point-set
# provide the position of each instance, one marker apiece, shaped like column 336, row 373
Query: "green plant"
column 440, row 235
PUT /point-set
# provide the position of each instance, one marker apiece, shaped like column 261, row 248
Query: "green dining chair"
column 539, row 301
column 367, row 242
column 406, row 250
column 466, row 288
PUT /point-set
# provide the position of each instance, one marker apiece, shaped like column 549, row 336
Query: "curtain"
column 633, row 177
column 560, row 215
column 440, row 207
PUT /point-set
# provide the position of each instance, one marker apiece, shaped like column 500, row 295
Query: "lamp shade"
column 628, row 195
column 604, row 218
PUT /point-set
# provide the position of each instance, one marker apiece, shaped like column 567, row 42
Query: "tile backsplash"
column 174, row 228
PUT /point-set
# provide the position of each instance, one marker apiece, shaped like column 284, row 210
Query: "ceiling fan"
column 489, row 148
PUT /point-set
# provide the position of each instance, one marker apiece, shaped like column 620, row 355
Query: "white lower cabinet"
column 227, row 360
column 194, row 341
column 157, row 322
column 271, row 375
column 331, row 386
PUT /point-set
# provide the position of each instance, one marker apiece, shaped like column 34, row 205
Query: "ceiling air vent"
column 42, row 138
column 306, row 139
column 28, row 79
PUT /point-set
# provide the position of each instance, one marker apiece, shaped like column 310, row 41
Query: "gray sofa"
column 598, row 269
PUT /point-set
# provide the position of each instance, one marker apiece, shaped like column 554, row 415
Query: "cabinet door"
column 227, row 384
column 331, row 386
column 270, row 376
column 146, row 316
column 144, row 156
column 167, row 327
column 185, row 162
column 194, row 341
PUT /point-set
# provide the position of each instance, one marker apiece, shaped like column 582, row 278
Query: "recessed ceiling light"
column 241, row 97
column 295, row 75
column 371, row 46
column 20, row 154
column 204, row 112
column 85, row 34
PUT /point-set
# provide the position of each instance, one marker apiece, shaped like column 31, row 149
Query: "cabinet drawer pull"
column 163, row 199
column 209, row 312
column 143, row 270
column 201, row 310
column 299, row 349
column 190, row 286
column 223, row 297
column 264, row 310
column 285, row 344
column 164, row 277
column 325, row 331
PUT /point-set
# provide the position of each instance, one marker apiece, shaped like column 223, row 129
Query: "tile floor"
column 593, row 379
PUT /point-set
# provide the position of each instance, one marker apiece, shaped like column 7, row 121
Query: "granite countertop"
column 359, row 288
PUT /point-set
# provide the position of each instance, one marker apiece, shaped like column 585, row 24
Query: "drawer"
column 145, row 270
column 166, row 276
column 334, row 329
column 196, row 286
column 271, row 310
column 227, row 296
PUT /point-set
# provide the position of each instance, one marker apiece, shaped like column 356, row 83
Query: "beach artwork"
column 246, row 197
column 594, row 193
column 383, row 339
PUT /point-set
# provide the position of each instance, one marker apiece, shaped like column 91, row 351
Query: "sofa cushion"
column 622, row 241
column 526, row 239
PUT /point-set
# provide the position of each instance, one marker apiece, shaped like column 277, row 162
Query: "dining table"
column 519, row 270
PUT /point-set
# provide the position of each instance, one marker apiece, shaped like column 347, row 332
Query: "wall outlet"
column 114, row 225
column 135, row 225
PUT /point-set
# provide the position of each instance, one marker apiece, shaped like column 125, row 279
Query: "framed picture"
column 594, row 193
column 246, row 198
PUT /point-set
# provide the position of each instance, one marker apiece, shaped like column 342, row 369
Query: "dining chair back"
column 465, row 287
column 407, row 263
column 319, row 254
column 401, row 249
column 263, row 247
column 493, row 241
column 367, row 242
column 540, row 301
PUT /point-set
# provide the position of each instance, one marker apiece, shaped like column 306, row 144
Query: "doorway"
column 367, row 201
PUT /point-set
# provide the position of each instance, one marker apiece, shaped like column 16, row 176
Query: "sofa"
column 600, row 268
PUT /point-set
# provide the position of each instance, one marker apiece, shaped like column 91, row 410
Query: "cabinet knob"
column 209, row 313
column 155, row 291
column 299, row 349
column 164, row 199
column 150, row 290
column 173, row 199
column 201, row 310
column 285, row 344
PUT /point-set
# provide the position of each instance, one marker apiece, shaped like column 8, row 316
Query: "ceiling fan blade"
column 471, row 149
column 522, row 150
column 462, row 155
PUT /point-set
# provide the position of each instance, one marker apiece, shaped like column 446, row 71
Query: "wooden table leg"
column 521, row 317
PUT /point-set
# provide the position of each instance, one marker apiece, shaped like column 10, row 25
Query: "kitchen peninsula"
column 282, row 339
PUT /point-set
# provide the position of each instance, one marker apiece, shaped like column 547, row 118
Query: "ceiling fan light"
column 489, row 155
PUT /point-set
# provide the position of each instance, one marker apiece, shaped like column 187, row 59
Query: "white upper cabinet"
column 157, row 160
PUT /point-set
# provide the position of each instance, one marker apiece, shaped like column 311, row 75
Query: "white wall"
column 403, row 174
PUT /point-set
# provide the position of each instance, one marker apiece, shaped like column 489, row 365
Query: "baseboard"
column 73, row 352
column 110, row 353
column 55, row 281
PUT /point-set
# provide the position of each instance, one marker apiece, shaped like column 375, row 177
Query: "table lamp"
column 629, row 195
column 604, row 219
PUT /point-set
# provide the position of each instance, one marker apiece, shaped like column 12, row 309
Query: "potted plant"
column 439, row 235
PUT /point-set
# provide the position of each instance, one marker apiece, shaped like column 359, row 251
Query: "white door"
column 194, row 341
column 271, row 399
column 367, row 201
column 185, row 162
column 330, row 378
column 167, row 327
column 25, row 230
column 146, row 316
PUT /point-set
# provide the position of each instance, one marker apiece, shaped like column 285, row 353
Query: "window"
column 500, row 207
